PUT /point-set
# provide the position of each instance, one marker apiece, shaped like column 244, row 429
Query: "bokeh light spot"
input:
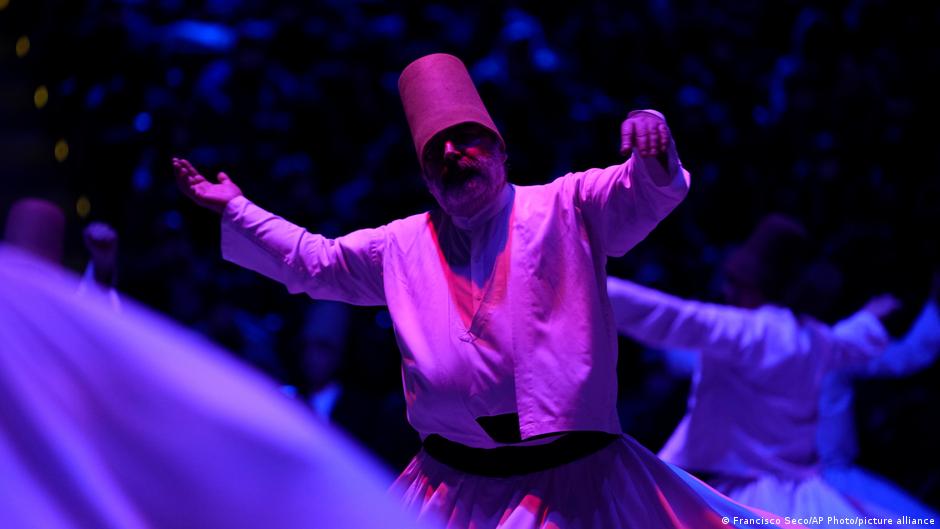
column 142, row 122
column 83, row 206
column 61, row 150
column 22, row 45
column 41, row 96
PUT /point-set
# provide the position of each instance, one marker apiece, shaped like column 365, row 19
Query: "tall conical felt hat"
column 437, row 93
column 37, row 226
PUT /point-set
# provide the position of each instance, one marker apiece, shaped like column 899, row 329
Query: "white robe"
column 753, row 415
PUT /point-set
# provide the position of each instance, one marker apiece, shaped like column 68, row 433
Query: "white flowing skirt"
column 832, row 498
column 623, row 486
column 875, row 493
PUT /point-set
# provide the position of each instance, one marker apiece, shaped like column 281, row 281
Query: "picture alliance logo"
column 829, row 521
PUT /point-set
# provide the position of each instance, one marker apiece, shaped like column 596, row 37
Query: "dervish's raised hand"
column 209, row 195
column 882, row 305
column 644, row 132
column 101, row 241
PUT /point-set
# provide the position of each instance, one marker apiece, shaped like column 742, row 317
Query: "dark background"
column 825, row 112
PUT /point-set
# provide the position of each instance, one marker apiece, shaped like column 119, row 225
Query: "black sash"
column 508, row 461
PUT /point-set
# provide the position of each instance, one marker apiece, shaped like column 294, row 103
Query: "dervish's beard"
column 463, row 185
column 458, row 173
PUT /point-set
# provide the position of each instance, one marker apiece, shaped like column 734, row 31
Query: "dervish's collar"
column 503, row 200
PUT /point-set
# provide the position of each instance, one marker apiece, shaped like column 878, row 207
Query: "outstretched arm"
column 745, row 336
column 862, row 337
column 210, row 195
column 657, row 319
column 101, row 241
column 919, row 348
column 347, row 269
column 623, row 203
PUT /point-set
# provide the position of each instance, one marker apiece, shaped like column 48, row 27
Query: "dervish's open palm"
column 207, row 194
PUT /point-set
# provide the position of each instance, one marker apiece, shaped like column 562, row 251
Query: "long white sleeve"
column 347, row 268
column 660, row 320
column 741, row 335
column 917, row 350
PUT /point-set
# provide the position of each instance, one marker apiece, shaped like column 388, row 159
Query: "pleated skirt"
column 875, row 493
column 833, row 498
column 623, row 486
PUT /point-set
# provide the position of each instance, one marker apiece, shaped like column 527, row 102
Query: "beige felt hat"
column 437, row 93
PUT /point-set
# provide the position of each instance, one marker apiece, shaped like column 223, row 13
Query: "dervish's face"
column 464, row 168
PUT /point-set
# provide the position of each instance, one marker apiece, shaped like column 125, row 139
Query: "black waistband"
column 507, row 461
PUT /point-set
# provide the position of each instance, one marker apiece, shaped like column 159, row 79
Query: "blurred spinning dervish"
column 120, row 419
column 762, row 420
